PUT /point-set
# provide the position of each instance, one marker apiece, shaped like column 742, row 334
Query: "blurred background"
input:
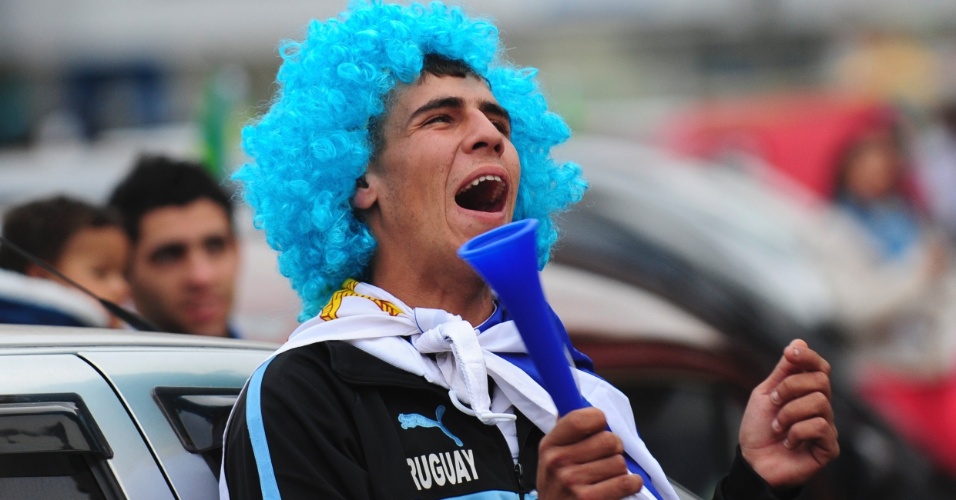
column 761, row 170
column 609, row 65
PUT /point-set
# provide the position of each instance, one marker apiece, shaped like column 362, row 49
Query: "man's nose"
column 483, row 135
column 200, row 269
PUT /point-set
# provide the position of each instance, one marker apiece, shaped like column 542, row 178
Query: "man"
column 185, row 256
column 400, row 135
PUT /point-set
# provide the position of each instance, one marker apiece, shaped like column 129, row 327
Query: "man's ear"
column 365, row 195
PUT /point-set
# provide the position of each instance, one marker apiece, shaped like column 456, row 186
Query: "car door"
column 66, row 434
column 181, row 398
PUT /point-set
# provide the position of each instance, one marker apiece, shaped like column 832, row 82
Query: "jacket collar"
column 357, row 366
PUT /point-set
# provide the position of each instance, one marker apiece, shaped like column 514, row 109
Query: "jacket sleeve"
column 308, row 434
column 743, row 483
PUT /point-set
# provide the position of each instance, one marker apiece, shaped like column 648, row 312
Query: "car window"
column 52, row 448
column 689, row 427
column 687, row 402
column 79, row 404
column 198, row 416
column 683, row 493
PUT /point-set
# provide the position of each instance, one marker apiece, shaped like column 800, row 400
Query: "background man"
column 397, row 136
column 185, row 256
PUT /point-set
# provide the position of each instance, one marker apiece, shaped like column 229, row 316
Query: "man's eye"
column 215, row 245
column 168, row 255
column 503, row 127
column 438, row 119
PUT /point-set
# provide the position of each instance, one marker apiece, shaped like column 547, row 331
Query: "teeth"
column 481, row 179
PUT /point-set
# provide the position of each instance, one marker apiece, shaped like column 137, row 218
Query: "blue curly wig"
column 313, row 143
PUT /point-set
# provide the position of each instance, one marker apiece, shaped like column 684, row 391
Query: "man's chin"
column 218, row 330
column 211, row 327
column 209, row 319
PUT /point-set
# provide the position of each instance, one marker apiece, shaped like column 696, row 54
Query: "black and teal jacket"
column 342, row 424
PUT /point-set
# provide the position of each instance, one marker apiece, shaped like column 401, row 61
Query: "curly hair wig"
column 313, row 143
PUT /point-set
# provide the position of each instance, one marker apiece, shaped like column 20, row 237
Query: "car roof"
column 599, row 306
column 69, row 339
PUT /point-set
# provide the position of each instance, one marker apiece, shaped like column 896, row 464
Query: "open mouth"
column 484, row 194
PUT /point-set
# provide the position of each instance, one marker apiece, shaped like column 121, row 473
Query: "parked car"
column 746, row 266
column 100, row 414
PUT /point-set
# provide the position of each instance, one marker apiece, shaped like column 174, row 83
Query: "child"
column 84, row 242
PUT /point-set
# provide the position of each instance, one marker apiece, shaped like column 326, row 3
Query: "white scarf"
column 375, row 321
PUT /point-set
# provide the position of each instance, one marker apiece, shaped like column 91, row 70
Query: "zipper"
column 518, row 477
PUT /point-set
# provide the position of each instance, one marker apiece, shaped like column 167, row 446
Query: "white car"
column 103, row 414
column 89, row 413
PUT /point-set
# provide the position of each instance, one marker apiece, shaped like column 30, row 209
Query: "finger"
column 800, row 385
column 593, row 472
column 616, row 487
column 595, row 447
column 809, row 407
column 817, row 433
column 576, row 426
column 802, row 358
column 797, row 358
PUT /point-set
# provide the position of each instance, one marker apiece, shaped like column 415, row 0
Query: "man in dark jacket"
column 185, row 255
column 398, row 135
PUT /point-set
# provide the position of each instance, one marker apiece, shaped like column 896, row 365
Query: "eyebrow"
column 486, row 107
column 490, row 108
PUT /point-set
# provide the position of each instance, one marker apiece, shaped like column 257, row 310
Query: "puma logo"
column 412, row 420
